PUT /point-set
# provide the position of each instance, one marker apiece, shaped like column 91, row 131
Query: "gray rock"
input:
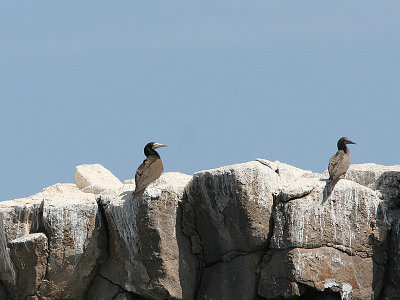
column 287, row 273
column 353, row 219
column 150, row 256
column 232, row 208
column 102, row 289
column 259, row 229
column 29, row 254
column 75, row 245
column 235, row 279
column 95, row 179
column 77, row 242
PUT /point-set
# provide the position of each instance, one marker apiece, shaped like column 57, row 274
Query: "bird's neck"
column 342, row 146
column 150, row 151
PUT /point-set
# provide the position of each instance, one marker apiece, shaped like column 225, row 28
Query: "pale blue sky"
column 220, row 82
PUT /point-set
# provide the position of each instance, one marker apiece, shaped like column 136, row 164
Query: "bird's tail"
column 137, row 193
column 332, row 181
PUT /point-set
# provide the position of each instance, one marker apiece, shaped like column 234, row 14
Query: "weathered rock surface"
column 232, row 208
column 55, row 232
column 149, row 255
column 257, row 230
column 95, row 179
column 29, row 254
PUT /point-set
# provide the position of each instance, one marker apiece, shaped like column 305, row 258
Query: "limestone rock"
column 289, row 273
column 257, row 230
column 352, row 219
column 95, row 179
column 235, row 279
column 232, row 208
column 29, row 254
column 149, row 255
column 75, row 240
column 392, row 288
column 102, row 289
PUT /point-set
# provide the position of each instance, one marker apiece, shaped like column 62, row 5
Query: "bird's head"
column 342, row 142
column 150, row 148
column 154, row 146
column 345, row 140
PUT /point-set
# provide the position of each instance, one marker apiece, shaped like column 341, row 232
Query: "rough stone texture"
column 287, row 273
column 392, row 288
column 76, row 243
column 235, row 279
column 102, row 289
column 149, row 255
column 232, row 208
column 95, row 179
column 351, row 219
column 258, row 230
column 3, row 292
column 29, row 253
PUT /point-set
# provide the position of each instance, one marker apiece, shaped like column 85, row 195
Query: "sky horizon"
column 219, row 83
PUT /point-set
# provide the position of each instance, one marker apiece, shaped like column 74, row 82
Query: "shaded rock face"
column 258, row 230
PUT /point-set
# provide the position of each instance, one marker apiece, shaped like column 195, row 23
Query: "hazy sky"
column 220, row 82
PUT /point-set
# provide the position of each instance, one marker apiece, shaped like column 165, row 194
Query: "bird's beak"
column 349, row 142
column 157, row 145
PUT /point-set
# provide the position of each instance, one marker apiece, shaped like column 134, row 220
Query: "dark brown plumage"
column 149, row 170
column 340, row 162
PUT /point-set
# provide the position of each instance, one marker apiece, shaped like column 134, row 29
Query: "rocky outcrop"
column 257, row 230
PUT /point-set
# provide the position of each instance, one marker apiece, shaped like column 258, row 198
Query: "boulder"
column 257, row 230
column 149, row 255
column 234, row 279
column 293, row 272
column 102, row 289
column 75, row 242
column 232, row 208
column 353, row 219
column 29, row 254
column 95, row 179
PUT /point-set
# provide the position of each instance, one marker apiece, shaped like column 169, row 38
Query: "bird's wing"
column 338, row 164
column 148, row 171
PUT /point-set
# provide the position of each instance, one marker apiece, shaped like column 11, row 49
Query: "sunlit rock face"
column 257, row 230
column 62, row 260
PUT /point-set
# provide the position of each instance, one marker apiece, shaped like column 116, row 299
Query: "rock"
column 18, row 218
column 353, row 219
column 76, row 241
column 29, row 253
column 234, row 204
column 255, row 230
column 3, row 292
column 235, row 279
column 95, row 179
column 149, row 255
column 392, row 288
column 288, row 273
column 102, row 289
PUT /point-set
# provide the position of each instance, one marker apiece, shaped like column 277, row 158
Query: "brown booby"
column 149, row 170
column 340, row 162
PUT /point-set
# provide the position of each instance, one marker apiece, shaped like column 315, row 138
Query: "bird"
column 339, row 162
column 149, row 170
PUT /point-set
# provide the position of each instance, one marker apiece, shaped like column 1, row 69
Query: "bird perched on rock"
column 340, row 162
column 149, row 170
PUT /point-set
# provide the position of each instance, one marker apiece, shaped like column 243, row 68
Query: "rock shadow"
column 386, row 254
column 189, row 263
